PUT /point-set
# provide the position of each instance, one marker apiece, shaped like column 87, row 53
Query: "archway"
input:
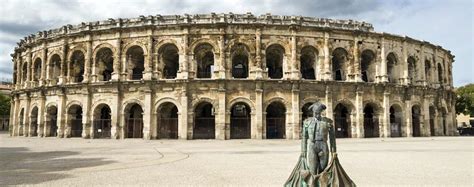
column 204, row 121
column 104, row 62
column 134, row 121
column 55, row 69
column 75, row 120
column 274, row 61
column 34, row 122
column 308, row 63
column 339, row 59
column 393, row 70
column 342, row 121
column 21, row 125
column 367, row 64
column 428, row 71
column 440, row 74
column 371, row 123
column 37, row 69
column 169, row 61
column 204, row 56
column 444, row 114
column 135, row 63
column 396, row 117
column 52, row 120
column 240, row 62
column 432, row 111
column 240, row 121
column 76, row 71
column 167, row 121
column 275, row 120
column 412, row 69
column 415, row 118
column 102, row 121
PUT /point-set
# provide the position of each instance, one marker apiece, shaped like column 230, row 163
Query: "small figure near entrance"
column 313, row 168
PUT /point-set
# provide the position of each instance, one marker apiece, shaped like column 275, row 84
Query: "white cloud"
column 441, row 22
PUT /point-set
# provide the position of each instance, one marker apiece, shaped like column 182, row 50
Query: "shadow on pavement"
column 20, row 166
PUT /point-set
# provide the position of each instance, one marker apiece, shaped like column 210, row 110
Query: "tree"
column 4, row 104
column 465, row 100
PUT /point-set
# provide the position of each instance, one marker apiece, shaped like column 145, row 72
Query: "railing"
column 342, row 127
column 416, row 126
column 102, row 128
column 34, row 128
column 204, row 128
column 239, row 127
column 135, row 128
column 168, row 128
column 275, row 128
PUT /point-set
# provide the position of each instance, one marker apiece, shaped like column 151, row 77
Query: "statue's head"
column 317, row 108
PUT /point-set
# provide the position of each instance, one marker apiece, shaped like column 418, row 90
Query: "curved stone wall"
column 228, row 76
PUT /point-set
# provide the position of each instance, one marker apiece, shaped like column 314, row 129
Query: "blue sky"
column 447, row 23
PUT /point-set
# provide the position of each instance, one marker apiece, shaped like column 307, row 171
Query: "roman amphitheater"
column 228, row 76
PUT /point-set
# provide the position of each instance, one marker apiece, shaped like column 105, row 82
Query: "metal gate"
column 432, row 129
column 135, row 128
column 239, row 127
column 396, row 127
column 341, row 127
column 416, row 126
column 53, row 127
column 371, row 127
column 34, row 128
column 102, row 128
column 275, row 128
column 76, row 128
column 204, row 128
column 168, row 128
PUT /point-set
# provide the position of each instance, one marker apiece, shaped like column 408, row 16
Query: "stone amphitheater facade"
column 227, row 76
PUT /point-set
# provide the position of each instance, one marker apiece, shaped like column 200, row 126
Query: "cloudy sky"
column 448, row 23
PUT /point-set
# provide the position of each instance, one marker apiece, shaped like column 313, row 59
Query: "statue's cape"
column 333, row 175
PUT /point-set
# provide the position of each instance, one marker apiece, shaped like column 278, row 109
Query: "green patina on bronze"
column 312, row 168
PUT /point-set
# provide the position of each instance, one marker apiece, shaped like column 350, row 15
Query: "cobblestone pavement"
column 369, row 162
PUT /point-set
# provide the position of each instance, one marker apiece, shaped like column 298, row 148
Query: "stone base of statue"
column 333, row 175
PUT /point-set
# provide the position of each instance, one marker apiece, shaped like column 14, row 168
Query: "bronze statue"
column 313, row 168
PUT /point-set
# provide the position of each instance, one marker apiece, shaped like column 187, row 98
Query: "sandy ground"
column 433, row 161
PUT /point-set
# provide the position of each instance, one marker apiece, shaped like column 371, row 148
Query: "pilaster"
column 147, row 114
column 327, row 74
column 221, row 112
column 257, row 128
column 295, row 111
column 359, row 108
column 386, row 116
column 117, row 55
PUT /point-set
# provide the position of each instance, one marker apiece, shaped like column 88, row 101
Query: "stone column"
column 359, row 108
column 117, row 59
column 294, row 64
column 221, row 112
column 357, row 65
column 26, row 117
column 116, row 116
column 64, row 61
column 88, row 60
column 409, row 123
column 41, row 125
column 220, row 66
column 421, row 73
column 147, row 114
column 183, row 117
column 386, row 116
column 383, row 62
column 86, row 116
column 406, row 78
column 183, row 71
column 296, row 121
column 61, row 122
column 329, row 101
column 327, row 60
column 148, row 72
column 29, row 68
column 44, row 64
column 425, row 113
column 257, row 127
column 258, row 54
column 354, row 124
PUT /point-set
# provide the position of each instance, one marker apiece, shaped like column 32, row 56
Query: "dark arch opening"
column 240, row 122
column 428, row 71
column 440, row 74
column 367, row 66
column 275, row 120
column 24, row 71
column 204, row 122
column 104, row 64
column 55, row 69
column 37, row 69
column 308, row 63
column 415, row 118
column 134, row 119
column 274, row 61
column 21, row 125
column 240, row 62
column 76, row 72
column 371, row 123
column 168, row 121
column 342, row 121
column 392, row 68
column 339, row 59
column 170, row 61
column 52, row 120
column 204, row 56
column 34, row 122
column 102, row 121
column 412, row 69
column 75, row 120
column 396, row 117
column 136, row 63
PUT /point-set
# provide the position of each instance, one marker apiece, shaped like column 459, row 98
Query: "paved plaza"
column 430, row 161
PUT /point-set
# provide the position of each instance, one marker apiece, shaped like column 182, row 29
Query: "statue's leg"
column 312, row 158
column 323, row 155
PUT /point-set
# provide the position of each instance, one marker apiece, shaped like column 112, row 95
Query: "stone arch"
column 104, row 58
column 428, row 66
column 396, row 116
column 275, row 55
column 240, row 116
column 368, row 65
column 168, row 60
column 167, row 118
column 77, row 48
column 393, row 67
column 339, row 61
column 412, row 69
column 77, row 67
column 277, row 99
column 236, row 41
column 101, row 46
column 163, row 42
column 204, row 120
column 343, row 112
column 213, row 102
column 135, row 61
column 34, row 119
column 245, row 100
column 416, row 114
column 372, row 111
column 275, row 120
column 128, row 103
column 204, row 59
column 440, row 70
column 204, row 41
column 51, row 121
column 73, row 102
column 24, row 72
column 309, row 60
column 286, row 48
column 101, row 120
column 133, row 116
column 135, row 43
column 37, row 65
column 240, row 59
column 74, row 112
